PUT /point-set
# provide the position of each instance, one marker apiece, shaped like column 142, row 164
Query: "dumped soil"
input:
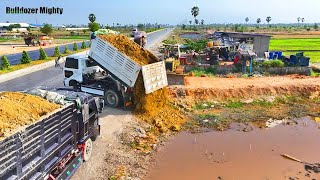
column 130, row 48
column 153, row 108
column 209, row 88
column 20, row 109
column 235, row 154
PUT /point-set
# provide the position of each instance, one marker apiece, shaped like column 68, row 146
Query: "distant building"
column 36, row 25
column 76, row 29
column 23, row 25
column 260, row 42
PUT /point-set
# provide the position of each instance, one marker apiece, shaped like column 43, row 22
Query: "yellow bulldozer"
column 171, row 56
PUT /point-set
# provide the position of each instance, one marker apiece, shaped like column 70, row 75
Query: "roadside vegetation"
column 5, row 66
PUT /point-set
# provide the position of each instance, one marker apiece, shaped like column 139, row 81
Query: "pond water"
column 191, row 36
column 235, row 154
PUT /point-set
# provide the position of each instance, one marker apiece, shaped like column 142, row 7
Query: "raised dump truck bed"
column 126, row 70
column 53, row 147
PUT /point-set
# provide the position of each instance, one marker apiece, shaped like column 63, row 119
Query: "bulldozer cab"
column 171, row 51
column 171, row 55
column 29, row 39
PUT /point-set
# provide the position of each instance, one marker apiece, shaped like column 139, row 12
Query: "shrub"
column 211, row 70
column 5, row 63
column 56, row 52
column 75, row 47
column 43, row 55
column 66, row 50
column 90, row 44
column 273, row 63
column 277, row 63
column 25, row 59
column 83, row 45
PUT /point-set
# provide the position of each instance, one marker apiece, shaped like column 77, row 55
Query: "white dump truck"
column 108, row 73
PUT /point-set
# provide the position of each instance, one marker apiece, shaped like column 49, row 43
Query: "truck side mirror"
column 101, row 105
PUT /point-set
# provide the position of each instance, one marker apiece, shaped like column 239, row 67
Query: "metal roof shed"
column 261, row 42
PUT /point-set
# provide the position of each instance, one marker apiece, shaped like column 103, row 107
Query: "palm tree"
column 196, row 21
column 92, row 18
column 247, row 19
column 202, row 22
column 302, row 20
column 299, row 18
column 195, row 12
column 258, row 21
column 190, row 22
column 268, row 19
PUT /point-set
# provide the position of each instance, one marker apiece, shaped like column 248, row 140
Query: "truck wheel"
column 96, row 132
column 112, row 98
column 87, row 150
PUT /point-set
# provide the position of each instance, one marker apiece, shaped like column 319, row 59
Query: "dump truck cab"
column 85, row 75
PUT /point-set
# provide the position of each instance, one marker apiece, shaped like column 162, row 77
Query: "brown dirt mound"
column 198, row 88
column 153, row 108
column 130, row 48
column 19, row 109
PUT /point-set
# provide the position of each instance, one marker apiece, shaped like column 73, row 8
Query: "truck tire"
column 96, row 131
column 87, row 150
column 112, row 98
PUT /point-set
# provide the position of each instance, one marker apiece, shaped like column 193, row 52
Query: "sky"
column 164, row 11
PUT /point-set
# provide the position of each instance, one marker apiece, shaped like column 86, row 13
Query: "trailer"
column 55, row 146
column 111, row 74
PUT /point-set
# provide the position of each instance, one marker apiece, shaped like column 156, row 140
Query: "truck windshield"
column 71, row 63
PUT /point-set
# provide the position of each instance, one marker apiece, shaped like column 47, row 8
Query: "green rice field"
column 290, row 46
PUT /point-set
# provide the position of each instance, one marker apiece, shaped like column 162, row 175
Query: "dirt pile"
column 130, row 48
column 19, row 109
column 153, row 108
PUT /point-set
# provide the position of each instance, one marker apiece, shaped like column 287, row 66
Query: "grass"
column 202, row 106
column 199, row 72
column 22, row 66
column 290, row 46
column 9, row 39
column 33, row 63
column 234, row 104
column 75, row 37
column 262, row 103
column 295, row 44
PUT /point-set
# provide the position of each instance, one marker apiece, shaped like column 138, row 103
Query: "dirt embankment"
column 208, row 88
